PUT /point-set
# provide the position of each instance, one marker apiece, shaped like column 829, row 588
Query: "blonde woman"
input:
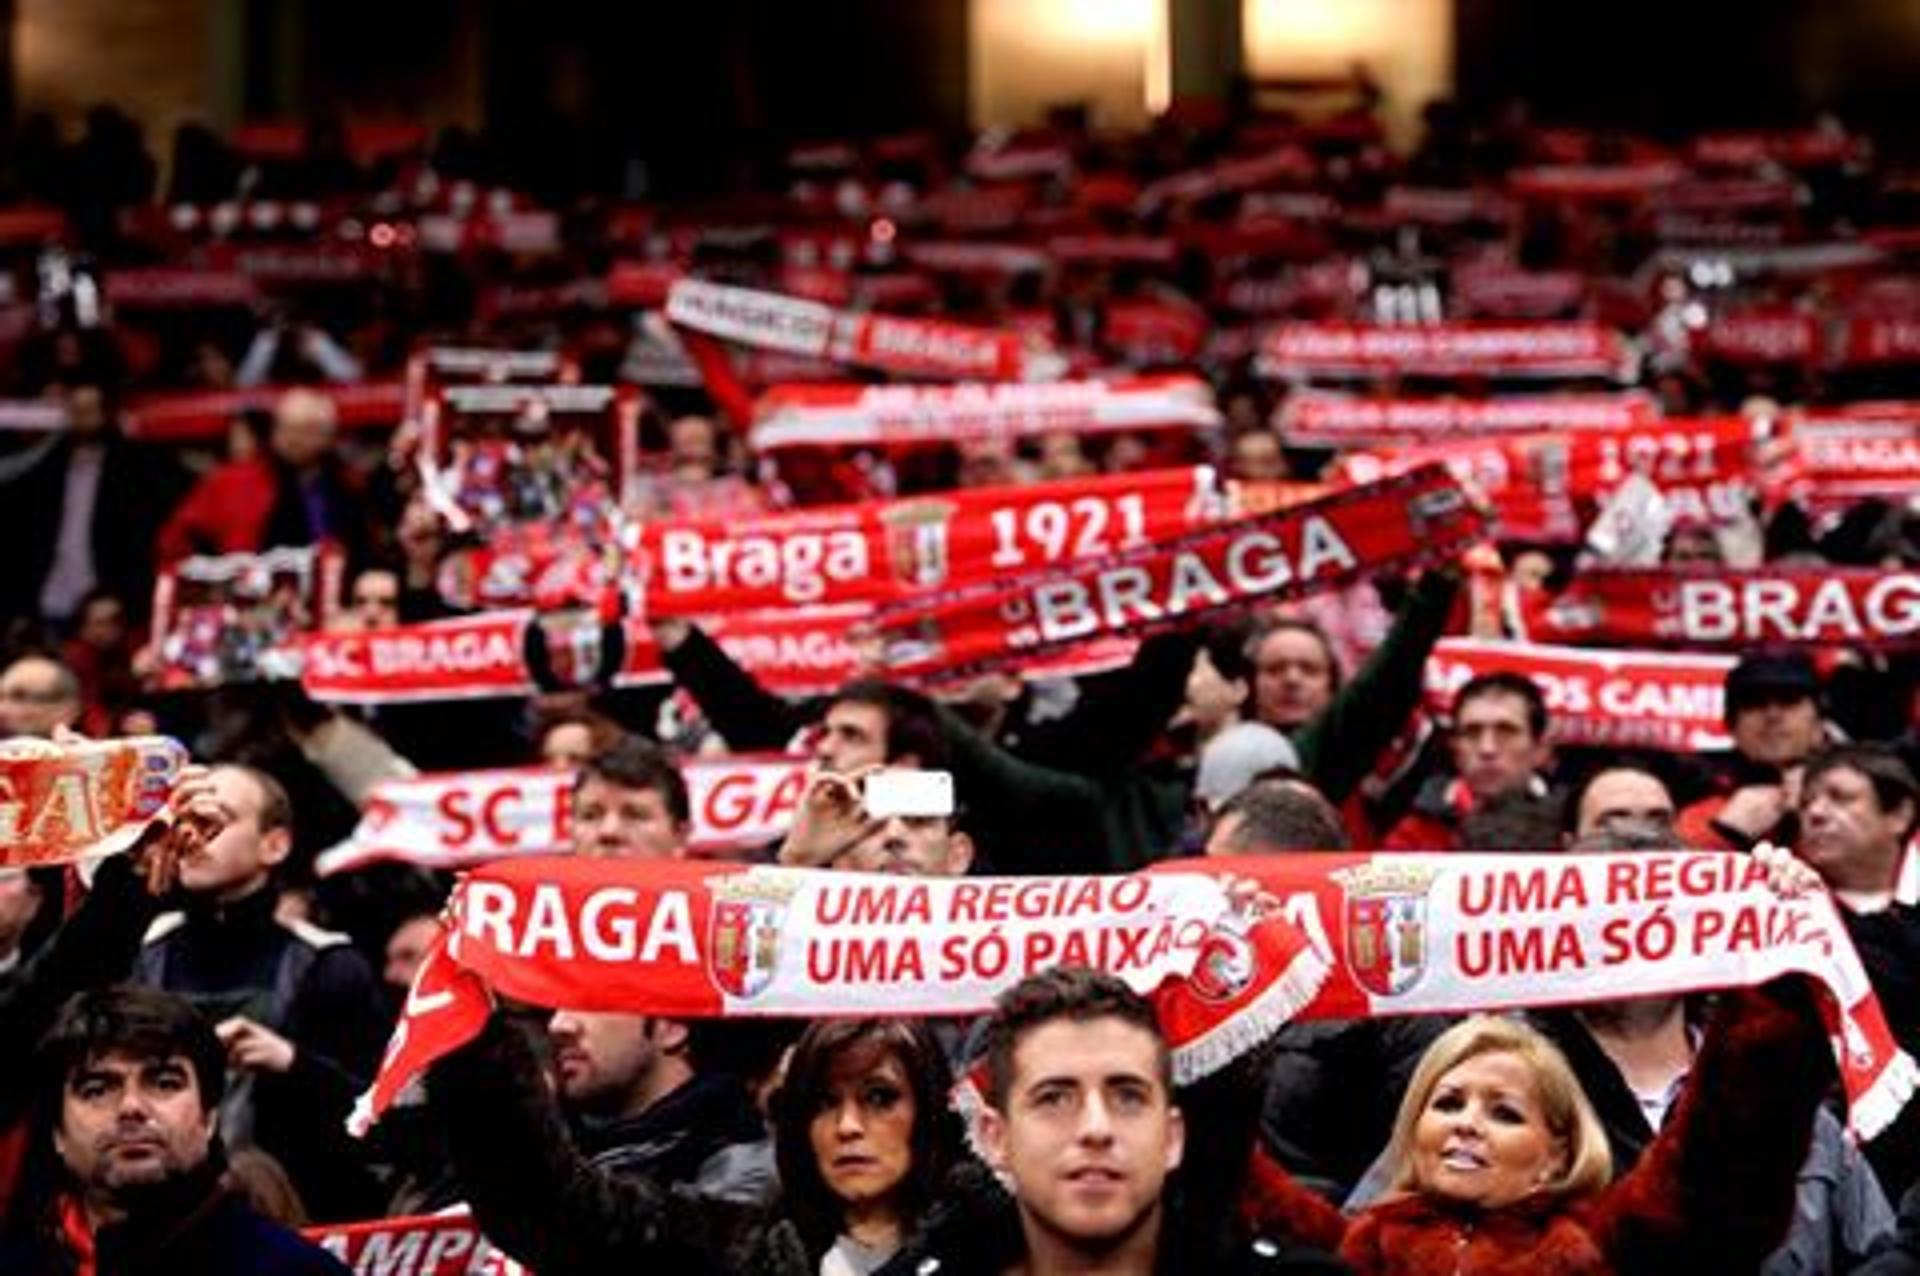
column 1499, row 1165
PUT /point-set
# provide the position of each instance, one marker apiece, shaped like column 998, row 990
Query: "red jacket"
column 225, row 513
column 1714, row 1192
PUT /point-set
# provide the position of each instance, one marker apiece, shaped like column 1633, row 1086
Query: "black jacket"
column 194, row 1224
column 139, row 486
column 1332, row 1090
column 312, row 988
column 1889, row 944
column 975, row 1231
column 542, row 1200
column 706, row 1134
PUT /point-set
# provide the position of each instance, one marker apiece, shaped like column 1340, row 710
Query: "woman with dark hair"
column 862, row 1133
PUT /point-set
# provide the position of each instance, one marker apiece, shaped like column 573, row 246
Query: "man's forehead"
column 120, row 1060
column 602, row 789
column 1092, row 1051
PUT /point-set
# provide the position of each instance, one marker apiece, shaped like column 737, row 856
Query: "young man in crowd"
column 1498, row 743
column 643, row 1100
column 296, row 1007
column 1082, row 1123
column 130, row 1084
column 630, row 802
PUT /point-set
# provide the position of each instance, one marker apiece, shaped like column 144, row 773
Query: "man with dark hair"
column 1617, row 796
column 1080, row 1120
column 1276, row 815
column 1858, row 807
column 297, row 1007
column 630, row 802
column 1498, row 743
column 1773, row 711
column 130, row 1083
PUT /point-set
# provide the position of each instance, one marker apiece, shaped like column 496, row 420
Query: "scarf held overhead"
column 1324, row 936
column 1417, row 517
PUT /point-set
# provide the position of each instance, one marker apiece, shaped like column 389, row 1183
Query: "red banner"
column 1850, row 454
column 1298, row 550
column 1333, row 935
column 1734, row 610
column 1880, row 339
column 886, row 550
column 1542, row 486
column 1620, row 699
column 1761, row 336
column 428, row 1245
column 1494, row 350
column 843, row 415
column 181, row 288
column 1327, row 420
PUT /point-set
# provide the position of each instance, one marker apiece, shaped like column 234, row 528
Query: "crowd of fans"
column 193, row 362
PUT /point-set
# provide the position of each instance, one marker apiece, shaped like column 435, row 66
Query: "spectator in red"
column 1499, row 746
column 295, row 493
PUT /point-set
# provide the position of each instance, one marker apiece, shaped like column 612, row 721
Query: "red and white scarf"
column 448, row 1244
column 905, row 416
column 1506, row 350
column 1734, row 610
column 1331, row 936
column 458, row 819
column 68, row 801
column 1330, row 420
column 1621, row 699
column 1353, row 532
column 890, row 343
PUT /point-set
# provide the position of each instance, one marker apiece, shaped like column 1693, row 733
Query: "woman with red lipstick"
column 862, row 1134
column 1498, row 1164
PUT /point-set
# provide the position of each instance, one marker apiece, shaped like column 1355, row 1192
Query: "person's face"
column 1694, row 547
column 1778, row 729
column 19, row 905
column 986, row 463
column 238, row 859
column 912, row 846
column 406, row 949
column 1622, row 800
column 1213, row 700
column 1089, row 1132
column 566, row 745
column 86, row 412
column 1061, row 457
column 1844, row 833
column 1494, row 748
column 32, row 698
column 852, row 736
column 302, row 431
column 376, row 599
column 600, row 1061
column 1531, row 570
column 1482, row 1138
column 103, row 625
column 690, row 442
column 862, row 1132
column 1256, row 458
column 1293, row 678
column 127, row 1121
column 614, row 821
